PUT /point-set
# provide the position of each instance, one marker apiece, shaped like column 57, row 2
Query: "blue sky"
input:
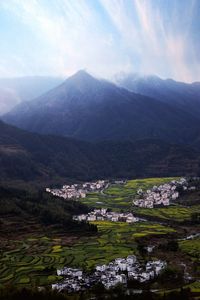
column 105, row 37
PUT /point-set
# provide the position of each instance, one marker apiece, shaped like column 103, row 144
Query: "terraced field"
column 120, row 197
column 34, row 261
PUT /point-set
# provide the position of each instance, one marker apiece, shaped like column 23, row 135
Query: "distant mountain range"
column 184, row 96
column 32, row 157
column 16, row 90
column 87, row 108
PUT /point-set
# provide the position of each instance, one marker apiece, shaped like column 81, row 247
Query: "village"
column 76, row 191
column 119, row 271
column 162, row 195
column 104, row 215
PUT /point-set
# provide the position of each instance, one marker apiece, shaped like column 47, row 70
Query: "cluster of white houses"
column 104, row 215
column 75, row 280
column 160, row 195
column 123, row 269
column 117, row 272
column 76, row 191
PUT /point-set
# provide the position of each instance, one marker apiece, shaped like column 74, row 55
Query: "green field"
column 176, row 213
column 195, row 287
column 191, row 247
column 34, row 261
column 120, row 197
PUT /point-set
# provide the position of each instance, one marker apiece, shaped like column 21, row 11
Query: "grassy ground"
column 34, row 261
column 120, row 197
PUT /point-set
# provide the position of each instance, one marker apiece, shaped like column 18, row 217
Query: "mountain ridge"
column 32, row 157
column 185, row 96
column 87, row 108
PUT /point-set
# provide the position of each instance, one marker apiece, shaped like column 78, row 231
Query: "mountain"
column 184, row 96
column 32, row 157
column 16, row 90
column 91, row 109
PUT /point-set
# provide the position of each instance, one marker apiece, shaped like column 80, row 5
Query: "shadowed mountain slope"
column 86, row 108
column 184, row 96
column 33, row 157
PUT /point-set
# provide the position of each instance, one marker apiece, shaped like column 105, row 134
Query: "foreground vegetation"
column 98, row 293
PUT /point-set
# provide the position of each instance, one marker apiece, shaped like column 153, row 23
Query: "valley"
column 99, row 150
column 34, row 257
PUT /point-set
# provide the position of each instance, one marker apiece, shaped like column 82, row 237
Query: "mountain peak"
column 82, row 72
column 82, row 81
column 81, row 75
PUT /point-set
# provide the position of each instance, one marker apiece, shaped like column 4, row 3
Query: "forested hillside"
column 33, row 157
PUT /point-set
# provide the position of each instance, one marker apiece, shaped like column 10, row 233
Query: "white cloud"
column 72, row 36
column 161, row 46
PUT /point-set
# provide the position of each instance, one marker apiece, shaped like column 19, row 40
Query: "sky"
column 104, row 37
